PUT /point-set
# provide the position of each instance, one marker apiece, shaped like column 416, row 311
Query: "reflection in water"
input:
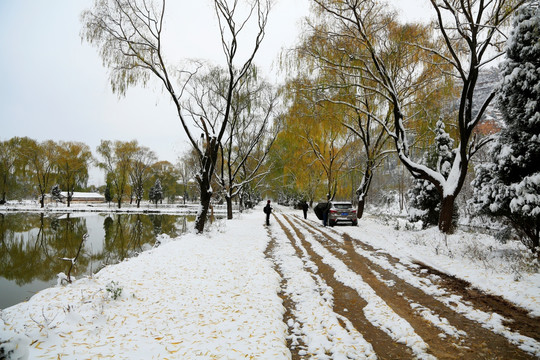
column 32, row 245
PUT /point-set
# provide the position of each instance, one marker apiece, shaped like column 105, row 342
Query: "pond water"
column 32, row 246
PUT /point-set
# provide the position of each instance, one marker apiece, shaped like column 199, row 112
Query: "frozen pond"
column 32, row 245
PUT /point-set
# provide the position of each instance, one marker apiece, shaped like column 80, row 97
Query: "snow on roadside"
column 376, row 311
column 450, row 255
column 479, row 259
column 441, row 323
column 490, row 321
column 198, row 296
column 317, row 324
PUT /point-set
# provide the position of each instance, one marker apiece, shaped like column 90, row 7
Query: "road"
column 345, row 300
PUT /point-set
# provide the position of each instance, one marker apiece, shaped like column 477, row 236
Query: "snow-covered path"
column 290, row 290
column 389, row 304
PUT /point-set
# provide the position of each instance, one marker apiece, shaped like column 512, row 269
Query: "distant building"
column 79, row 198
column 84, row 197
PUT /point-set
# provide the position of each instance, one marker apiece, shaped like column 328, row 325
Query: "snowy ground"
column 507, row 270
column 216, row 296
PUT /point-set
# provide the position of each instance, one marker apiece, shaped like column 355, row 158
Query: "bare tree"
column 249, row 125
column 141, row 171
column 186, row 166
column 470, row 38
column 128, row 34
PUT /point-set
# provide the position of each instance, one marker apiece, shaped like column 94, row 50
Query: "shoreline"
column 183, row 209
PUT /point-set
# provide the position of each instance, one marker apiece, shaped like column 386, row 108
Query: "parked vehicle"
column 342, row 211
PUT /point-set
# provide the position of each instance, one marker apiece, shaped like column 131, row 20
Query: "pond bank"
column 34, row 245
column 200, row 296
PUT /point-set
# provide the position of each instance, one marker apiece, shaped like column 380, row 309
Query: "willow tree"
column 249, row 137
column 41, row 159
column 339, row 84
column 72, row 166
column 294, row 171
column 8, row 162
column 117, row 161
column 470, row 35
column 330, row 144
column 129, row 36
column 320, row 131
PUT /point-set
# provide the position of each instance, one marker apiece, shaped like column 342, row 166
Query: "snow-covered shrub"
column 13, row 346
column 114, row 290
column 162, row 239
column 425, row 203
column 156, row 192
column 504, row 235
column 62, row 279
column 56, row 193
column 508, row 186
column 522, row 262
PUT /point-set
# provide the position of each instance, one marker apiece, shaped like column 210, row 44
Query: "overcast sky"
column 53, row 86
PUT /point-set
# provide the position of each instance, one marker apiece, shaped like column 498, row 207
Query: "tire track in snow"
column 294, row 343
column 487, row 339
column 325, row 333
column 444, row 341
column 518, row 319
column 391, row 336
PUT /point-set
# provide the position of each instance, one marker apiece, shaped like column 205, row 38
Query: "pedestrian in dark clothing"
column 267, row 210
column 325, row 213
column 305, row 207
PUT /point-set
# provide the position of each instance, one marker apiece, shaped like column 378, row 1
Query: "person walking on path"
column 305, row 207
column 267, row 210
column 326, row 211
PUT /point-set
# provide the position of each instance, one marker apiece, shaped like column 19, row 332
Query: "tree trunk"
column 42, row 200
column 208, row 162
column 138, row 203
column 205, row 204
column 360, row 210
column 363, row 189
column 228, row 199
column 536, row 243
column 445, row 216
column 119, row 202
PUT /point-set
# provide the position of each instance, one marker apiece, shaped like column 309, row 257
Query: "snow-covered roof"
column 83, row 195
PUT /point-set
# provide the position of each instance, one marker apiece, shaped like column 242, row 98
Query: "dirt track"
column 417, row 294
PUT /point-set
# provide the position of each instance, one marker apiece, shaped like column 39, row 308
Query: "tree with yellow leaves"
column 72, row 166
column 470, row 37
